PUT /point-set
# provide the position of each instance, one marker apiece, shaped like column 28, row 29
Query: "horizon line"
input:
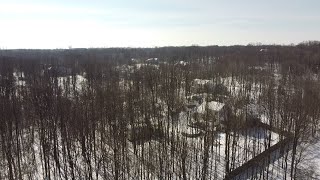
column 154, row 47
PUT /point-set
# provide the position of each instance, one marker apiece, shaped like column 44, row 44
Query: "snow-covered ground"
column 68, row 82
column 19, row 78
column 308, row 159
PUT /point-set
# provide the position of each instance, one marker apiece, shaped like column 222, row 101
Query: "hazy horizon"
column 96, row 24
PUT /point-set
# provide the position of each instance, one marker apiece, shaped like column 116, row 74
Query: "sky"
column 40, row 24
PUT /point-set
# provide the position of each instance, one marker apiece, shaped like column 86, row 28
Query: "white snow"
column 201, row 81
column 310, row 159
column 18, row 81
column 212, row 105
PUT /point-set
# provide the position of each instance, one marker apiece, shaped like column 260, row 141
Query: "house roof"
column 212, row 105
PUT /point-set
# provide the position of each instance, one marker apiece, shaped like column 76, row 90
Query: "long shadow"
column 270, row 155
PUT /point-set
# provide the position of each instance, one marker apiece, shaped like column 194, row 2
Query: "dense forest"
column 215, row 112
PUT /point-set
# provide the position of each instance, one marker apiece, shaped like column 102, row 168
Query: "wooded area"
column 159, row 113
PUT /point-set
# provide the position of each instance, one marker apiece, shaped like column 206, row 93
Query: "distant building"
column 216, row 112
column 264, row 50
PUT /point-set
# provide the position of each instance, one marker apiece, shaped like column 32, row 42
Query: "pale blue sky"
column 149, row 23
